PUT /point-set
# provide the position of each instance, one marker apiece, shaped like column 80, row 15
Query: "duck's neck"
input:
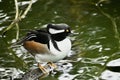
column 58, row 37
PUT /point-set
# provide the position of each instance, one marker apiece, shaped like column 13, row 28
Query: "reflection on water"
column 10, row 73
column 94, row 39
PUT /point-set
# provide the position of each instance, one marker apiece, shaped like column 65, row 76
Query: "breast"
column 35, row 47
column 64, row 46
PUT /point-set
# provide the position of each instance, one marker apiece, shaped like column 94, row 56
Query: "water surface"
column 96, row 41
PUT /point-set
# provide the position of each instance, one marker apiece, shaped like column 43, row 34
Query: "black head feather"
column 59, row 36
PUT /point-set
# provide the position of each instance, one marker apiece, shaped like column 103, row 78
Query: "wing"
column 40, row 36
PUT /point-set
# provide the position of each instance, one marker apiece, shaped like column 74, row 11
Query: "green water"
column 95, row 41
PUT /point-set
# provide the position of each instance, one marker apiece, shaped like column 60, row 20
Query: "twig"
column 17, row 10
column 115, row 28
column 17, row 32
column 27, row 9
column 17, row 18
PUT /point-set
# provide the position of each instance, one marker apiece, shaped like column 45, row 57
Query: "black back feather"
column 40, row 36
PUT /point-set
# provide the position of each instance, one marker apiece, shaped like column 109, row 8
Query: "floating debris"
column 114, row 65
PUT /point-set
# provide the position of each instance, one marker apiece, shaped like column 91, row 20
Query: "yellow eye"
column 67, row 30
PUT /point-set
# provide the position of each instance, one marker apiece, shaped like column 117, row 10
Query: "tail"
column 22, row 40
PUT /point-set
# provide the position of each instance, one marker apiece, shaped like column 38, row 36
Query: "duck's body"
column 54, row 55
column 48, row 46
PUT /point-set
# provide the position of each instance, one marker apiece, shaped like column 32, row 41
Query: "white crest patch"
column 53, row 31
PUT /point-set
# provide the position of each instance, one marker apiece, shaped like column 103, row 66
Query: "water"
column 96, row 41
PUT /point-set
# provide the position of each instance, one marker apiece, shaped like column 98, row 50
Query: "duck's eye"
column 67, row 30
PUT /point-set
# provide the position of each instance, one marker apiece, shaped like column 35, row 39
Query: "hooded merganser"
column 49, row 45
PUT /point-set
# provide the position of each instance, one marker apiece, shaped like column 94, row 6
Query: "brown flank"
column 35, row 47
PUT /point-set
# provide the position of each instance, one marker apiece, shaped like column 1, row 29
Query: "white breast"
column 64, row 47
column 55, row 55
